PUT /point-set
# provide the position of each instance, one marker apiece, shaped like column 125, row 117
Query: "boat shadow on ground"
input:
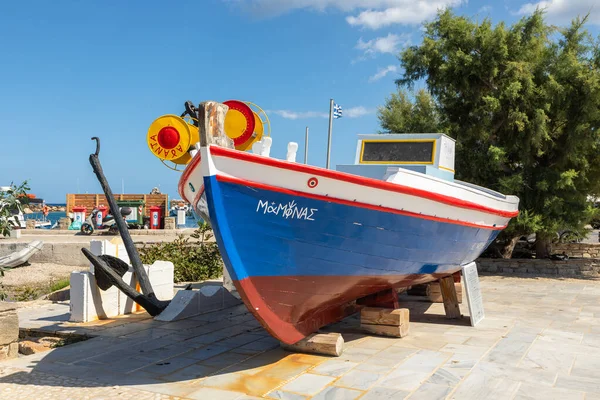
column 226, row 350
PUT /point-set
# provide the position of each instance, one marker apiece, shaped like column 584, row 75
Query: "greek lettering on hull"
column 286, row 210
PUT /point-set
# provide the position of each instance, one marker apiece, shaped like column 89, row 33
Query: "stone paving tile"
column 360, row 380
column 148, row 334
column 182, row 390
column 430, row 391
column 206, row 352
column 308, row 384
column 448, row 376
column 37, row 385
column 245, row 384
column 258, row 362
column 529, row 391
column 383, row 368
column 415, row 370
column 395, row 353
column 189, row 373
column 280, row 394
column 335, row 367
column 578, row 383
column 591, row 339
column 478, row 386
column 358, row 354
column 261, row 345
column 586, row 366
column 168, row 366
column 510, row 350
column 337, row 393
column 284, row 370
column 224, row 360
column 214, row 394
column 240, row 340
column 382, row 393
column 376, row 343
column 541, row 356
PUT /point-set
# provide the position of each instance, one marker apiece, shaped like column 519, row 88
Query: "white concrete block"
column 187, row 303
column 228, row 283
column 100, row 247
column 88, row 302
column 14, row 233
column 80, row 290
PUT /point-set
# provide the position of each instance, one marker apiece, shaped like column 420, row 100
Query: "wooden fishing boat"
column 302, row 242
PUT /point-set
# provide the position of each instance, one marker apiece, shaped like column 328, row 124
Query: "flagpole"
column 306, row 147
column 330, row 127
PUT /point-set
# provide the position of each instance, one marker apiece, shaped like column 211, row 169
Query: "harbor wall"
column 571, row 268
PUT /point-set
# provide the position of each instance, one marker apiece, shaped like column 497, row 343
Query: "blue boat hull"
column 298, row 260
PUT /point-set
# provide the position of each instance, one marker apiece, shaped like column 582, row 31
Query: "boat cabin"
column 379, row 156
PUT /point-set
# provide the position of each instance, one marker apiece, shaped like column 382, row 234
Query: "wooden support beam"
column 386, row 298
column 434, row 292
column 318, row 343
column 384, row 316
column 385, row 321
column 386, row 330
column 450, row 299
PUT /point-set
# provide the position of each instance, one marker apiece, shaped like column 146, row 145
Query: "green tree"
column 401, row 115
column 523, row 103
column 11, row 202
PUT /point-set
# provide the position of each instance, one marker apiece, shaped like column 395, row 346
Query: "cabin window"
column 397, row 151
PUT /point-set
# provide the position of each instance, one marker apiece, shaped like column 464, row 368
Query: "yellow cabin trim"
column 447, row 169
column 433, row 141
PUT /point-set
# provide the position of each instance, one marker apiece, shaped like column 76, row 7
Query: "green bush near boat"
column 194, row 260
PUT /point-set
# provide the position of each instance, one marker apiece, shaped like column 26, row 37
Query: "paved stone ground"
column 540, row 340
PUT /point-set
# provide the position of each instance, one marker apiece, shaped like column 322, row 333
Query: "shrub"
column 194, row 260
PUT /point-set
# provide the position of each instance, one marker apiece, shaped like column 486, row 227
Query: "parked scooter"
column 108, row 222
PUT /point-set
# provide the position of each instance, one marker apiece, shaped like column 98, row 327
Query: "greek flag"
column 337, row 111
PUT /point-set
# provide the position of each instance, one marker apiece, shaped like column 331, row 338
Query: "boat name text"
column 288, row 210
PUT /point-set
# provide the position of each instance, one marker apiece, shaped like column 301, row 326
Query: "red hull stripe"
column 292, row 307
column 186, row 174
column 229, row 179
column 359, row 180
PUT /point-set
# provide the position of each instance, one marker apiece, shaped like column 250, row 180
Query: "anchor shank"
column 132, row 252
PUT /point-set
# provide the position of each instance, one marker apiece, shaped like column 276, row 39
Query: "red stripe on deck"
column 243, row 182
column 359, row 180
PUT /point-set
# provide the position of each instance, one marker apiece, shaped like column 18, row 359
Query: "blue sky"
column 71, row 70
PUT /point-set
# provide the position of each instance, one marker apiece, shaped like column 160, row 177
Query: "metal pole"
column 329, row 136
column 306, row 147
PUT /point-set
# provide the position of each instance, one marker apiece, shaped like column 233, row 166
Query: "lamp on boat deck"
column 170, row 138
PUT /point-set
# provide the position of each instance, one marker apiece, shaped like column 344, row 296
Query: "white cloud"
column 385, row 44
column 408, row 13
column 485, row 9
column 298, row 115
column 563, row 11
column 372, row 14
column 357, row 112
column 382, row 72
